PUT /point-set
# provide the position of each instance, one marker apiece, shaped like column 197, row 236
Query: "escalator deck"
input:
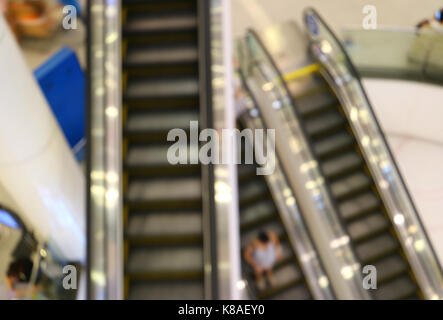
column 352, row 188
column 258, row 213
column 162, row 202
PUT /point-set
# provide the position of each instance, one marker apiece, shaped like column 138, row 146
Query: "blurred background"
column 90, row 89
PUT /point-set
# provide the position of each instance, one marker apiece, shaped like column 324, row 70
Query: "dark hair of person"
column 263, row 237
column 20, row 269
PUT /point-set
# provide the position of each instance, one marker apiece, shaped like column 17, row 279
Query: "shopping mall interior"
column 221, row 149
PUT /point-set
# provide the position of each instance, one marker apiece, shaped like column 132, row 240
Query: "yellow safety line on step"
column 301, row 72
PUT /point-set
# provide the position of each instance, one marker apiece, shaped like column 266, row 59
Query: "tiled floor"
column 38, row 51
column 410, row 114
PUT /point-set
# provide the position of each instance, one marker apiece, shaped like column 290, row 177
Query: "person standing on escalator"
column 262, row 254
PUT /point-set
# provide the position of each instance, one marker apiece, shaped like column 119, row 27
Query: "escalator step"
column 359, row 205
column 165, row 259
column 297, row 292
column 158, row 5
column 390, row 267
column 398, row 288
column 160, row 120
column 162, row 171
column 341, row 165
column 165, row 223
column 151, row 155
column 160, row 22
column 162, row 103
column 163, row 240
column 163, row 87
column 166, row 290
column 287, row 274
column 350, row 186
column 324, row 125
column 377, row 248
column 369, row 225
column 165, row 189
column 170, row 204
column 261, row 211
column 315, row 104
column 332, row 145
column 149, row 55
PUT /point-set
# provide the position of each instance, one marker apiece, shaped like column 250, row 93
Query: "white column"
column 37, row 167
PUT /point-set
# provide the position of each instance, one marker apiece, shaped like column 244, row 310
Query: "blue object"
column 8, row 220
column 72, row 3
column 312, row 24
column 63, row 83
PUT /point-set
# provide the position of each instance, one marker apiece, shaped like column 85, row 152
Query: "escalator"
column 352, row 187
column 259, row 213
column 303, row 103
column 163, row 242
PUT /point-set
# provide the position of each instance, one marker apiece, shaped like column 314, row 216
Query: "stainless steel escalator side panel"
column 342, row 76
column 276, row 106
column 104, row 166
column 289, row 212
column 219, row 179
column 287, row 54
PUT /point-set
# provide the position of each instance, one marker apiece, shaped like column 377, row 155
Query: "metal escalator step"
column 178, row 54
column 252, row 192
column 284, row 278
column 146, row 137
column 350, row 186
column 296, row 291
column 154, row 155
column 170, row 204
column 162, row 103
column 158, row 5
column 359, row 206
column 164, row 223
column 160, row 37
column 318, row 110
column 162, row 171
column 164, row 239
column 376, row 248
column 142, row 22
column 260, row 211
column 164, row 275
column 166, row 290
column 163, row 87
column 333, row 145
column 164, row 189
column 325, row 124
column 165, row 259
column 341, row 165
column 246, row 172
column 160, row 120
column 398, row 288
column 162, row 69
column 368, row 226
column 390, row 267
column 315, row 104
